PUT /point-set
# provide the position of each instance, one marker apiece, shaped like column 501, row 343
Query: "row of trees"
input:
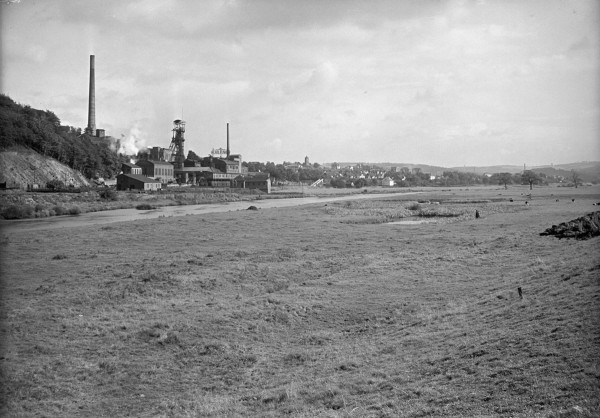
column 41, row 131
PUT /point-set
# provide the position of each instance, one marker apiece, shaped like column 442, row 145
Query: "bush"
column 414, row 206
column 109, row 194
column 145, row 206
column 75, row 210
column 44, row 213
column 59, row 210
column 55, row 185
column 338, row 183
column 360, row 183
column 17, row 212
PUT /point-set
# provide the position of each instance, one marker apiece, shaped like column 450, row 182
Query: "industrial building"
column 131, row 178
column 257, row 181
column 137, row 182
column 158, row 170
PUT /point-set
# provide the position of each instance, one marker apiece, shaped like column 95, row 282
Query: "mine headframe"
column 177, row 152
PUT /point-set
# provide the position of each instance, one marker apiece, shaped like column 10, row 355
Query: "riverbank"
column 18, row 204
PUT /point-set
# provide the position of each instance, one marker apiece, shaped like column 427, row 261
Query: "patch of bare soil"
column 585, row 227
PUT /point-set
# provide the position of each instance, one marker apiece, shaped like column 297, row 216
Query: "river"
column 125, row 215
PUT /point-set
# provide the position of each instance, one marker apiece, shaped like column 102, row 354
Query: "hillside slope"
column 20, row 168
column 23, row 128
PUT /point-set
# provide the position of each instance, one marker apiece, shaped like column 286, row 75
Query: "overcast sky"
column 438, row 82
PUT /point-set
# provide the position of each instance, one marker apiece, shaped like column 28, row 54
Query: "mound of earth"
column 586, row 227
column 20, row 168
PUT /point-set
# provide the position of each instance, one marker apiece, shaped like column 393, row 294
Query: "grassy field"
column 320, row 310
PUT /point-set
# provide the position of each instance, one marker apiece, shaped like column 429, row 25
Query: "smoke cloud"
column 134, row 142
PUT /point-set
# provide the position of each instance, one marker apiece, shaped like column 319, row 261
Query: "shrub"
column 338, row 183
column 39, row 207
column 59, row 210
column 55, row 185
column 75, row 210
column 109, row 194
column 414, row 206
column 17, row 212
column 145, row 206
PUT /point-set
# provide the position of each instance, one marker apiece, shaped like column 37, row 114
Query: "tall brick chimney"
column 91, row 126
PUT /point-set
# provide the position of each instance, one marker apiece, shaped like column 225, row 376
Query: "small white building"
column 388, row 182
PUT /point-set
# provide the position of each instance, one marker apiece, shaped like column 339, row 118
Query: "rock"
column 586, row 227
column 252, row 208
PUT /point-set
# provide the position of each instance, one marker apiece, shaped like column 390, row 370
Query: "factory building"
column 159, row 154
column 130, row 168
column 158, row 170
column 137, row 182
column 193, row 174
column 131, row 178
column 257, row 181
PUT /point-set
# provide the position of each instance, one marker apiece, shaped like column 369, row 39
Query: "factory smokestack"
column 227, row 139
column 91, row 127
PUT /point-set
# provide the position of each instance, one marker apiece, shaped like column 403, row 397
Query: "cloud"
column 581, row 45
column 293, row 76
column 304, row 85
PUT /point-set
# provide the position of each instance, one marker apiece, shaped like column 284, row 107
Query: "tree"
column 55, row 185
column 193, row 156
column 338, row 183
column 576, row 178
column 503, row 178
column 530, row 177
column 360, row 183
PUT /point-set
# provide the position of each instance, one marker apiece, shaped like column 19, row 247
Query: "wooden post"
column 520, row 293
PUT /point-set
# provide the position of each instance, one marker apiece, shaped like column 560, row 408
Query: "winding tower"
column 177, row 153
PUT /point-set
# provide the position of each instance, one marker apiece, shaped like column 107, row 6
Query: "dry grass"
column 309, row 311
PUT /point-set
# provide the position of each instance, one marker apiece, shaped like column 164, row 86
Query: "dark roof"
column 156, row 162
column 193, row 169
column 131, row 165
column 253, row 176
column 258, row 176
column 139, row 177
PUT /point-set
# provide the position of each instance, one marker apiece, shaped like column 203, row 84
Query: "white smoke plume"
column 134, row 142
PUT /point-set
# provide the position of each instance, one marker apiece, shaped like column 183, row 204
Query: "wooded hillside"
column 41, row 131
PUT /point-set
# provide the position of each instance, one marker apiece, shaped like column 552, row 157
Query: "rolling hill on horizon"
column 585, row 166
